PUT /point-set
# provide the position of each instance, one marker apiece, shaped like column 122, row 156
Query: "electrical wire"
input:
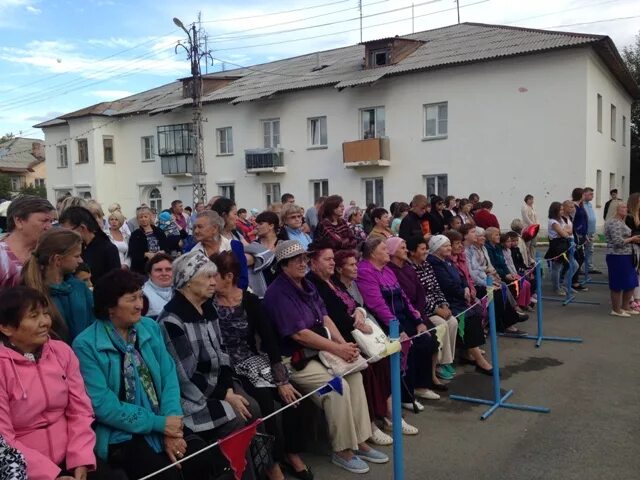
column 275, row 13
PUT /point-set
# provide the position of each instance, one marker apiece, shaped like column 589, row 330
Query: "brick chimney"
column 37, row 150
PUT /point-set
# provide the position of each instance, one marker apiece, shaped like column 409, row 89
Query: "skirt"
column 622, row 274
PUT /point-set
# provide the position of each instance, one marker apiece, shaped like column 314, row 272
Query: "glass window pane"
column 229, row 140
column 379, row 192
column 431, row 186
column 442, row 186
column 323, row 131
column 380, row 122
column 368, row 184
column 325, row 188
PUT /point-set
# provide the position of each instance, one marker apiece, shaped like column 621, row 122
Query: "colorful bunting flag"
column 490, row 294
column 234, row 447
column 461, row 326
column 392, row 347
column 333, row 385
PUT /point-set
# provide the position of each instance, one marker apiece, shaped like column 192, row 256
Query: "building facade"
column 23, row 161
column 389, row 122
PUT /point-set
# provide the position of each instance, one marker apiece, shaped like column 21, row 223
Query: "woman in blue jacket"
column 132, row 382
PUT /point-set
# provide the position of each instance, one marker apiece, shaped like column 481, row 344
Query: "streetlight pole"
column 194, row 54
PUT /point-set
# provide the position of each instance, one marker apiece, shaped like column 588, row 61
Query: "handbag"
column 371, row 344
column 339, row 367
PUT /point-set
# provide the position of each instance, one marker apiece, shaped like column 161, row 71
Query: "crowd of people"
column 129, row 344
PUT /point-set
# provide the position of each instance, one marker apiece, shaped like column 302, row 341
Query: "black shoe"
column 522, row 317
column 305, row 474
column 440, row 387
column 595, row 272
column 580, row 288
column 515, row 333
column 484, row 371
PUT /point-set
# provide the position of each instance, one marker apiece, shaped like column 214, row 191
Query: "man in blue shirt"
column 587, row 198
column 580, row 229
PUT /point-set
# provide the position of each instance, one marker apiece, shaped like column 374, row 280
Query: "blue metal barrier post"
column 396, row 407
column 539, row 311
column 570, row 297
column 498, row 399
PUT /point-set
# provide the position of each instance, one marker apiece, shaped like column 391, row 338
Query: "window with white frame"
column 624, row 131
column 599, row 113
column 436, row 119
column 147, row 145
column 83, row 150
column 17, row 183
column 317, row 127
column 224, row 137
column 271, row 193
column 107, row 148
column 271, row 132
column 613, row 122
column 320, row 189
column 437, row 185
column 227, row 190
column 372, row 123
column 155, row 200
column 374, row 191
column 86, row 194
column 62, row 156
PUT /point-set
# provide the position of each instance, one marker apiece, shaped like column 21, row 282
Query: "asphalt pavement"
column 592, row 389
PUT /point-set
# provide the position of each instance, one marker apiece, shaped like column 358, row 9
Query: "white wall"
column 516, row 126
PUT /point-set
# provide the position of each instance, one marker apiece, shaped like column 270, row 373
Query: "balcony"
column 372, row 152
column 265, row 160
column 177, row 165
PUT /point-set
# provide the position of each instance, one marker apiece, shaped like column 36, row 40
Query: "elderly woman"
column 146, row 240
column 412, row 288
column 301, row 319
column 27, row 218
column 131, row 380
column 456, row 290
column 158, row 289
column 384, row 297
column 436, row 306
column 119, row 238
column 50, row 271
column 213, row 404
column 381, row 221
column 44, row 409
column 332, row 229
column 242, row 323
column 623, row 278
column 291, row 221
column 207, row 231
column 101, row 255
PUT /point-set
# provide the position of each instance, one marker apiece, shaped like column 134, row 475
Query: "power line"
column 276, row 13
column 562, row 11
column 595, row 21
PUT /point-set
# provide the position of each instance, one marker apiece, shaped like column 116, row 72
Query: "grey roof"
column 16, row 156
column 443, row 47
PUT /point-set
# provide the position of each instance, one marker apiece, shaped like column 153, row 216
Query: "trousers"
column 448, row 344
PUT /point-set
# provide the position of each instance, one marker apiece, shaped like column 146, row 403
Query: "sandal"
column 378, row 437
column 406, row 428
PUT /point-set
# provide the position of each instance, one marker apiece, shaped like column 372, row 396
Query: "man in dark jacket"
column 416, row 223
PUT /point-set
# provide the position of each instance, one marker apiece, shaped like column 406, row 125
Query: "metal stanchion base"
column 569, row 299
column 540, row 338
column 499, row 404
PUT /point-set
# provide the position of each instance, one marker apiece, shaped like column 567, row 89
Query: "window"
column 107, row 148
column 62, row 156
column 86, row 194
column 598, row 188
column 612, row 181
column 39, row 182
column 225, row 141
column 599, row 113
column 623, row 185
column 372, row 120
column 176, row 139
column 374, row 191
column 320, row 189
column 271, row 133
column 379, row 58
column 271, row 193
column 437, row 185
column 624, row 131
column 227, row 190
column 17, row 183
column 83, row 150
column 436, row 120
column 317, row 131
column 147, row 146
column 613, row 122
column 155, row 200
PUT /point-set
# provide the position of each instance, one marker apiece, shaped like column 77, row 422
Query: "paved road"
column 592, row 389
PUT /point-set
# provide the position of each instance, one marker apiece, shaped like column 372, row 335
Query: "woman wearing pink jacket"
column 45, row 412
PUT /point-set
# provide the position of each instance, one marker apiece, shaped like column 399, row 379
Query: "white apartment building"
column 500, row 111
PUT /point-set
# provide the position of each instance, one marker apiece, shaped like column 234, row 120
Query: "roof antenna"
column 458, row 10
column 360, row 7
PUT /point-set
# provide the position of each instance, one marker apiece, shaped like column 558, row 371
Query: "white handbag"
column 371, row 344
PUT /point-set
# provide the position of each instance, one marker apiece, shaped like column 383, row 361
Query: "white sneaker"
column 409, row 406
column 426, row 394
column 378, row 437
column 406, row 428
column 631, row 312
column 616, row 314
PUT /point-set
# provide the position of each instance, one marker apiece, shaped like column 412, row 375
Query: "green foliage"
column 5, row 186
column 33, row 190
column 631, row 56
column 6, row 136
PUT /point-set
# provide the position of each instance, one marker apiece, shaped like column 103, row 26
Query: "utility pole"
column 199, row 176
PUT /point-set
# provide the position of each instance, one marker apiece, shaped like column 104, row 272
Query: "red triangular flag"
column 234, row 447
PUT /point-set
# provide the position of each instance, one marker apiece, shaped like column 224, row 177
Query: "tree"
column 5, row 187
column 6, row 136
column 631, row 56
column 33, row 190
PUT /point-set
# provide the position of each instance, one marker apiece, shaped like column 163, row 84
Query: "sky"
column 57, row 56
